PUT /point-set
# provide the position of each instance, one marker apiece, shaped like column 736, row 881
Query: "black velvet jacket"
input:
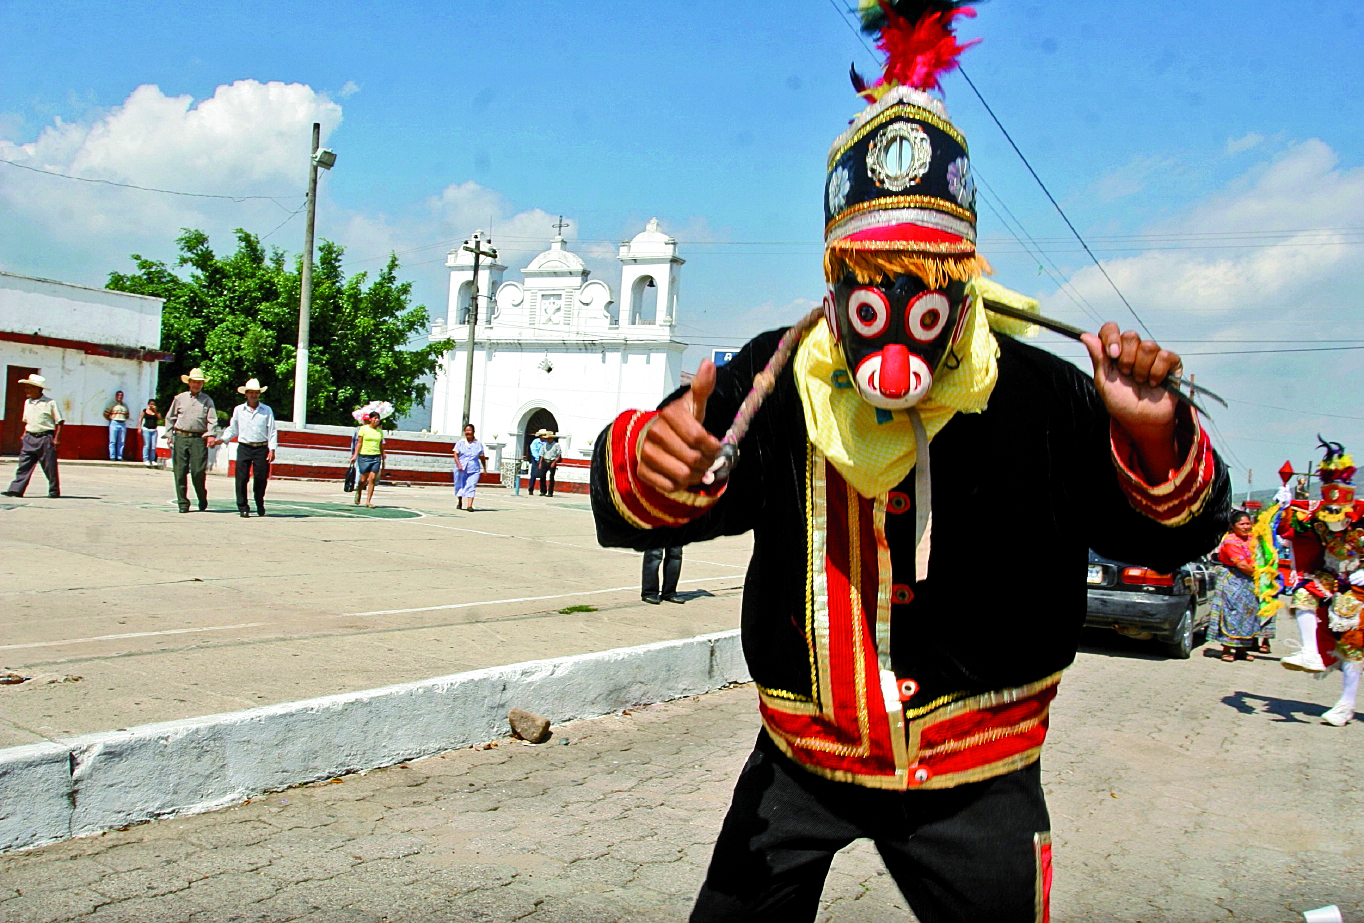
column 1020, row 492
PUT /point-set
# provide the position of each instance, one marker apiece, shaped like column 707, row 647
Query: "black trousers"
column 535, row 472
column 37, row 450
column 671, row 559
column 547, row 480
column 251, row 459
column 971, row 854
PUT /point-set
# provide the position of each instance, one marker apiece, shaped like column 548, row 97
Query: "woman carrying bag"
column 367, row 455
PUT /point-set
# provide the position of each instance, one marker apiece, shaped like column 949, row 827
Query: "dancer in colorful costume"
column 889, row 709
column 1327, row 580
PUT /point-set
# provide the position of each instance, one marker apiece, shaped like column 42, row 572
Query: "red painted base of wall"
column 93, row 442
column 560, row 487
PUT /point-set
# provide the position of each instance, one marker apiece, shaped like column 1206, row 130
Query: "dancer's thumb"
column 701, row 387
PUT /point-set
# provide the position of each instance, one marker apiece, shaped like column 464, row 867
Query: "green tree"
column 237, row 318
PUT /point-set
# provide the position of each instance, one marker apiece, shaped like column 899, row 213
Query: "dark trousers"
column 535, row 473
column 252, row 458
column 189, row 455
column 37, row 450
column 978, row 852
column 547, row 480
column 671, row 559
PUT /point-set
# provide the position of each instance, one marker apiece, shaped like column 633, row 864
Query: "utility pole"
column 320, row 157
column 478, row 251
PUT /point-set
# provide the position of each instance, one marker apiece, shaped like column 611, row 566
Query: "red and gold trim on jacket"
column 645, row 507
column 1182, row 496
column 854, row 727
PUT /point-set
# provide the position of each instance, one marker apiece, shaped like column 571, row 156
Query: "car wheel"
column 1181, row 644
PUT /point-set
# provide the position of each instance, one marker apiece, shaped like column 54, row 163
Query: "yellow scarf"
column 875, row 449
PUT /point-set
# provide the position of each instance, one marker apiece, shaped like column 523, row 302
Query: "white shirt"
column 249, row 425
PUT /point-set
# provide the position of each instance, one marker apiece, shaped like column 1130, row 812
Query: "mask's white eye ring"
column 830, row 317
column 927, row 315
column 868, row 312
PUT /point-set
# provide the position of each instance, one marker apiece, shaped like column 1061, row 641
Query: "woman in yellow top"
column 367, row 454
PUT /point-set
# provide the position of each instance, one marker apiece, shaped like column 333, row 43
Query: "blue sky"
column 1210, row 153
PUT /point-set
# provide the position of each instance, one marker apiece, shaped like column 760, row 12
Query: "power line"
column 844, row 12
column 1060, row 211
column 109, row 182
column 1057, row 277
column 286, row 220
column 1266, row 352
column 1314, row 413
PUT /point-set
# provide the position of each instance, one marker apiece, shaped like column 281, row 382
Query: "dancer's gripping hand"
column 1128, row 373
column 676, row 449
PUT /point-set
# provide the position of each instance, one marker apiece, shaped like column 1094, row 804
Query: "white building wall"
column 75, row 312
column 600, row 364
column 586, row 388
column 82, row 385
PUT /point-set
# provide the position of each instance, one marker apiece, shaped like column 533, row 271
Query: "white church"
column 558, row 351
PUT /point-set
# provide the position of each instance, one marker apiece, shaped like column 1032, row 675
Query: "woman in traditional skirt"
column 1234, row 621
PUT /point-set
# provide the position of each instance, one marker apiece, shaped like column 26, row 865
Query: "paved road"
column 168, row 616
column 1180, row 791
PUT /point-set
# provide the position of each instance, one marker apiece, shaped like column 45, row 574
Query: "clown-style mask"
column 895, row 334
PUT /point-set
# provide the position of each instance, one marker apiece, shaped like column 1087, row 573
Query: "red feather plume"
column 919, row 52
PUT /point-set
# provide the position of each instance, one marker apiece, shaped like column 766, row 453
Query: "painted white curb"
column 96, row 782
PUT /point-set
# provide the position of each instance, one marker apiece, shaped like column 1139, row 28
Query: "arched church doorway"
column 536, row 420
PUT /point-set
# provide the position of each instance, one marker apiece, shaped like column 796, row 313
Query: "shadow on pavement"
column 689, row 595
column 1284, row 710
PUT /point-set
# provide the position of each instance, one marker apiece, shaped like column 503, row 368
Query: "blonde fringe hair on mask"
column 871, row 266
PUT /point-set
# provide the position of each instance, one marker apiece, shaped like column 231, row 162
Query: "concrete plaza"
column 1181, row 791
column 166, row 616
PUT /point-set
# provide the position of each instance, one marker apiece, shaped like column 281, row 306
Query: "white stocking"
column 1307, row 630
column 1349, row 682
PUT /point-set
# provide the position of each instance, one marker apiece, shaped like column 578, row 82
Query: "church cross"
column 560, row 226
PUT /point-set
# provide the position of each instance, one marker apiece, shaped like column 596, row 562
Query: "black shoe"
column 184, row 509
column 260, row 511
column 202, row 507
column 10, row 493
column 672, row 598
column 54, row 496
column 243, row 514
column 651, row 600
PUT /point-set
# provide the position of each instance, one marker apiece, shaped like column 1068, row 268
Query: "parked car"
column 1140, row 603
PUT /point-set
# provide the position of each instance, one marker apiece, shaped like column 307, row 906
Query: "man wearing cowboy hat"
column 189, row 420
column 253, row 425
column 549, row 462
column 42, row 434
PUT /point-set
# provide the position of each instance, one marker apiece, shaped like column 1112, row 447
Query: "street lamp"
column 326, row 159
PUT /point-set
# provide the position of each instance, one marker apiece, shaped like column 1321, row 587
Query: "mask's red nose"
column 893, row 380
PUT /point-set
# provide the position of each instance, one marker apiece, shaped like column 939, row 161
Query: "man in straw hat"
column 42, row 435
column 253, row 426
column 189, row 422
column 549, row 462
column 892, row 708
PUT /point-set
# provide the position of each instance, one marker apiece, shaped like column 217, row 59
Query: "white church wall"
column 557, row 342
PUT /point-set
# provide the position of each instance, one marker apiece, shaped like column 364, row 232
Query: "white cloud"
column 1244, row 143
column 1267, row 263
column 348, row 90
column 1129, row 179
column 248, row 139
